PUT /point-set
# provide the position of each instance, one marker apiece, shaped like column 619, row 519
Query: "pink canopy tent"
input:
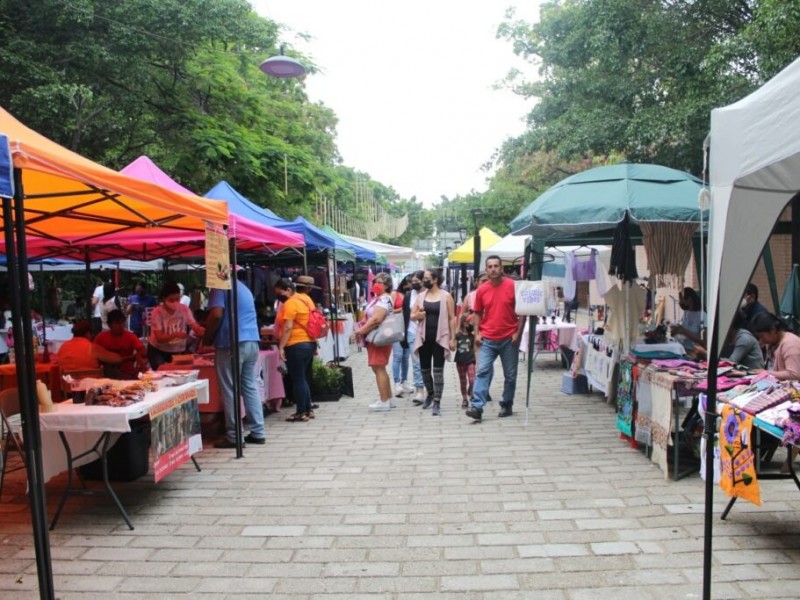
column 245, row 231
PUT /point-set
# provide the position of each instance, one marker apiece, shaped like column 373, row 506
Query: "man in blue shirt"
column 218, row 334
column 138, row 303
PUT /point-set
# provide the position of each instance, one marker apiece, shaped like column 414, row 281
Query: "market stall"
column 755, row 174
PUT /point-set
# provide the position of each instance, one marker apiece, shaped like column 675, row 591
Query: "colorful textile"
column 662, row 385
column 737, row 465
column 625, row 398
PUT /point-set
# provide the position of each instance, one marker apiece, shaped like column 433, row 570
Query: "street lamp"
column 282, row 66
column 446, row 263
column 462, row 234
column 476, row 244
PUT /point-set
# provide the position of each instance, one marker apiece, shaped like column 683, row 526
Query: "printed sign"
column 218, row 263
column 174, row 433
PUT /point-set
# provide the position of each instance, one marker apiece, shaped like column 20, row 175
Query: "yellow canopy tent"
column 69, row 197
column 466, row 252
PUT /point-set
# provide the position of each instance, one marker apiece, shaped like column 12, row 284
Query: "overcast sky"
column 411, row 83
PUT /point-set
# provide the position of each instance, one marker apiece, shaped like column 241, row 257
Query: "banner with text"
column 218, row 258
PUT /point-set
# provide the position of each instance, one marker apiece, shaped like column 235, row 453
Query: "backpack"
column 317, row 327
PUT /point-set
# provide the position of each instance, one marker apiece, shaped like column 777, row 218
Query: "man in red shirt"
column 124, row 343
column 498, row 330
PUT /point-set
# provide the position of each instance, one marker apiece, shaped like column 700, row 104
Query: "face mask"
column 377, row 289
column 743, row 303
column 416, row 286
column 428, row 284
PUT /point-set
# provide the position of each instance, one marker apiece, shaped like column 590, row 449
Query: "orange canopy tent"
column 60, row 195
column 70, row 198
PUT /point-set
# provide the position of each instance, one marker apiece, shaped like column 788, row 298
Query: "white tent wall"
column 754, row 171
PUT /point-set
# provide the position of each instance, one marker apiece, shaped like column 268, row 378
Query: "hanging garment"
column 623, row 259
column 669, row 248
column 582, row 268
column 616, row 327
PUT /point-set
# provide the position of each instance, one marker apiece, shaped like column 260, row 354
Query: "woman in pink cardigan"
column 783, row 347
column 435, row 312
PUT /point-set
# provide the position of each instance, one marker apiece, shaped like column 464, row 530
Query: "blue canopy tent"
column 316, row 239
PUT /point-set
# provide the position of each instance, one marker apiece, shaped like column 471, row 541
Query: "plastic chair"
column 9, row 407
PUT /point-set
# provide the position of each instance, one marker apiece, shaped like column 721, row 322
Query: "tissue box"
column 574, row 385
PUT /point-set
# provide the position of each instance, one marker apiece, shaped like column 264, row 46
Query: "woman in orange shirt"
column 296, row 347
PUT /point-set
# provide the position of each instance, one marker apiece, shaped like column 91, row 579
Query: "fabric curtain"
column 669, row 249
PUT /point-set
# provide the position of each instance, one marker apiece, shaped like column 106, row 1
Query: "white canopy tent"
column 396, row 254
column 755, row 172
column 510, row 249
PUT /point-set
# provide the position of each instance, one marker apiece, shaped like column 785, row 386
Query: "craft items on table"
column 737, row 461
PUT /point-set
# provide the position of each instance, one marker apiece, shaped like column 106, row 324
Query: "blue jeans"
column 400, row 357
column 419, row 383
column 298, row 363
column 509, row 358
column 248, row 356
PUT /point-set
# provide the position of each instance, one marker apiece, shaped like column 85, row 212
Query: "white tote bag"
column 530, row 297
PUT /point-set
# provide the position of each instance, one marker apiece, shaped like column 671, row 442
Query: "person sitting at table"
column 123, row 343
column 783, row 347
column 691, row 329
column 80, row 354
column 169, row 322
column 744, row 347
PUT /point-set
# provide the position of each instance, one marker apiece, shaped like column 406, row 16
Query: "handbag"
column 391, row 330
column 529, row 298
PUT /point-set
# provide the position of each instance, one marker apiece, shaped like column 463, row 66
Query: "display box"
column 574, row 385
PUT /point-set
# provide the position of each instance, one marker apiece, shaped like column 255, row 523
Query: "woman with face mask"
column 378, row 356
column 435, row 313
column 169, row 325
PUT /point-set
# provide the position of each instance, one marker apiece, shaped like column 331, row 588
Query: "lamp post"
column 446, row 263
column 282, row 66
column 476, row 212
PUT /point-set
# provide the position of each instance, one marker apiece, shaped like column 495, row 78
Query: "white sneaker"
column 407, row 388
column 379, row 406
column 392, row 403
column 398, row 390
column 420, row 397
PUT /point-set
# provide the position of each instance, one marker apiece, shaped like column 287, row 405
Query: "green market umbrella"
column 591, row 203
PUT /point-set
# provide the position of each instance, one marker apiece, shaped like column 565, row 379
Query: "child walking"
column 465, row 360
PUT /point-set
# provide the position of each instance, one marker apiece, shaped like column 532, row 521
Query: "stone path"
column 403, row 505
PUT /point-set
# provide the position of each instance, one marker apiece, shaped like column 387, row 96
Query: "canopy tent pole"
column 709, row 433
column 534, row 274
column 769, row 266
column 89, row 285
column 26, row 382
column 233, row 330
column 305, row 261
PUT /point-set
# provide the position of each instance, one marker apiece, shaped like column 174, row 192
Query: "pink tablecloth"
column 268, row 380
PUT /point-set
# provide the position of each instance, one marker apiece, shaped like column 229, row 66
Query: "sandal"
column 296, row 418
column 310, row 414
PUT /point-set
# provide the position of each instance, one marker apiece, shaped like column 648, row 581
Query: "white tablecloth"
column 83, row 425
column 326, row 346
column 567, row 334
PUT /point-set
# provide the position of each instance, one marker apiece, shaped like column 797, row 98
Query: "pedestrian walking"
column 434, row 311
column 497, row 333
column 401, row 351
column 465, row 360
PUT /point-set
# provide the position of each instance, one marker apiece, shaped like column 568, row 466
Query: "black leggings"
column 431, row 350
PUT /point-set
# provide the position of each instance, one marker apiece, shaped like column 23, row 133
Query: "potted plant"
column 326, row 382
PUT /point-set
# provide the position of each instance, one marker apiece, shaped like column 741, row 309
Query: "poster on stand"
column 174, row 433
column 218, row 264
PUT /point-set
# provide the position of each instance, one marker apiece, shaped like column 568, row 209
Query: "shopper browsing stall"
column 218, row 334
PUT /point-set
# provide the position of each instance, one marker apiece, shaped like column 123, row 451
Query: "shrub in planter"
column 326, row 382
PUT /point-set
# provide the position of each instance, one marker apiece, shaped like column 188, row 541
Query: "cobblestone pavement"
column 403, row 505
